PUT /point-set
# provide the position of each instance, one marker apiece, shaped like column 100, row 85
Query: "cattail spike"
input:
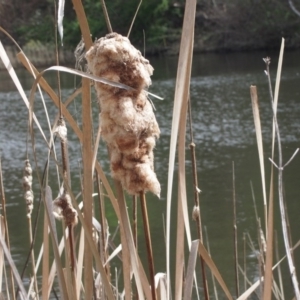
column 27, row 187
column 128, row 123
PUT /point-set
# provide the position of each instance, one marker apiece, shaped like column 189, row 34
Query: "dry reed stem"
column 87, row 159
column 235, row 234
column 134, row 221
column 196, row 211
column 180, row 100
column 148, row 243
column 103, row 226
column 280, row 173
column 106, row 16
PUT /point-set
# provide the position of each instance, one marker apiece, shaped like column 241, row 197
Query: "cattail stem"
column 196, row 199
column 103, row 225
column 106, row 16
column 134, row 221
column 33, row 259
column 148, row 243
column 71, row 243
column 235, row 234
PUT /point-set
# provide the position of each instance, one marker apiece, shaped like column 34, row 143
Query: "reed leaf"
column 269, row 220
column 142, row 283
column 87, row 159
column 80, row 263
column 161, row 286
column 53, row 234
column 125, row 240
column 45, row 269
column 180, row 101
column 11, row 263
column 14, row 77
column 210, row 263
column 188, row 286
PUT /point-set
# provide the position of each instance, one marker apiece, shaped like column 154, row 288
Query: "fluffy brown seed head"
column 63, row 208
column 128, row 124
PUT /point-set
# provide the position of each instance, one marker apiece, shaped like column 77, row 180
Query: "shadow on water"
column 223, row 132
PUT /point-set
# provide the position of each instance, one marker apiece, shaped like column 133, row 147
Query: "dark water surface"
column 223, row 132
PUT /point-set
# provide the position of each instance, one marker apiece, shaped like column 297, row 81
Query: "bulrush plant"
column 128, row 124
column 29, row 197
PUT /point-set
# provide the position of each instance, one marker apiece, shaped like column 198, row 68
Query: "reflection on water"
column 223, row 131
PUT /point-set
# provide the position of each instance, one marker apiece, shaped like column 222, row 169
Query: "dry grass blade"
column 253, row 287
column 4, row 228
column 10, row 261
column 80, row 263
column 190, row 270
column 53, row 234
column 87, row 159
column 161, row 287
column 140, row 277
column 213, row 269
column 45, row 272
column 113, row 254
column 148, row 243
column 125, row 245
column 17, row 83
column 255, row 108
column 181, row 95
column 269, row 220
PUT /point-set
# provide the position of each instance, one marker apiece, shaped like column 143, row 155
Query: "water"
column 224, row 133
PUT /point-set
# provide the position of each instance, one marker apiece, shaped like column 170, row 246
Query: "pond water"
column 224, row 133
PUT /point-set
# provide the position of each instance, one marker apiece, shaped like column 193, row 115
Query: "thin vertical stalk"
column 245, row 263
column 134, row 221
column 106, row 16
column 148, row 243
column 72, row 250
column 197, row 215
column 237, row 290
column 103, row 225
column 33, row 259
column 3, row 204
column 134, row 228
column 87, row 159
column 279, row 266
column 280, row 191
column 132, row 22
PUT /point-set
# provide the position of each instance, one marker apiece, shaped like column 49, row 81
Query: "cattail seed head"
column 128, row 124
column 27, row 185
column 61, row 129
column 196, row 213
column 63, row 209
